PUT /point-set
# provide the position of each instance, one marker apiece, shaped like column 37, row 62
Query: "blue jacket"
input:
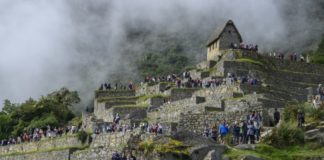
column 222, row 129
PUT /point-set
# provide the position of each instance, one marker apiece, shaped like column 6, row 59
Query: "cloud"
column 45, row 45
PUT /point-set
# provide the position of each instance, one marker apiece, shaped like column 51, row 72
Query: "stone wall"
column 92, row 154
column 132, row 112
column 101, row 112
column 197, row 122
column 170, row 112
column 158, row 88
column 181, row 93
column 47, row 144
column 88, row 121
column 155, row 102
column 103, row 145
column 51, row 155
column 114, row 93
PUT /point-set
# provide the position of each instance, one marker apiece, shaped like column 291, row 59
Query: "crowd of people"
column 241, row 132
column 249, row 47
column 289, row 56
column 116, row 126
column 156, row 128
column 108, row 86
column 38, row 134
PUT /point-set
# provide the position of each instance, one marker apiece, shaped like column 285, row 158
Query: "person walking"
column 276, row 117
column 300, row 118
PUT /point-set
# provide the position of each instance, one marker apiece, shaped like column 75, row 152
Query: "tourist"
column 257, row 127
column 300, row 118
column 236, row 133
column 130, row 86
column 159, row 129
column 316, row 102
column 222, row 130
column 101, row 87
column 276, row 116
column 320, row 91
column 243, row 132
column 115, row 156
column 249, row 116
column 206, row 132
column 214, row 132
column 302, row 59
column 250, row 132
column 116, row 118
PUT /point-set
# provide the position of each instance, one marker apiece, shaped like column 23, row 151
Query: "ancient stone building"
column 222, row 38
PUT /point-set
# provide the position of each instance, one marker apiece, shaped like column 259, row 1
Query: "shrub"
column 316, row 114
column 286, row 134
column 291, row 110
column 76, row 121
column 82, row 136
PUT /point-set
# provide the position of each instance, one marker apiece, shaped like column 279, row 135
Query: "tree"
column 52, row 110
column 8, row 107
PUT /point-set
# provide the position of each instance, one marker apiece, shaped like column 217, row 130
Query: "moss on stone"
column 117, row 99
column 146, row 97
column 83, row 147
column 270, row 153
column 248, row 60
column 132, row 106
column 164, row 146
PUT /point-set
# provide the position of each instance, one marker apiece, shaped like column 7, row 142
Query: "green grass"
column 114, row 91
column 116, row 99
column 146, row 97
column 318, row 59
column 270, row 153
column 169, row 146
column 133, row 106
column 185, row 89
column 248, row 60
column 46, row 150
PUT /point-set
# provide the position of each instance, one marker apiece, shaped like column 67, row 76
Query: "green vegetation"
column 46, row 150
column 318, row 55
column 271, row 153
column 287, row 134
column 169, row 60
column 132, row 106
column 248, row 60
column 117, row 99
column 237, row 95
column 82, row 136
column 163, row 146
column 52, row 109
column 146, row 97
column 311, row 114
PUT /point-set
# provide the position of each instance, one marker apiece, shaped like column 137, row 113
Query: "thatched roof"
column 218, row 32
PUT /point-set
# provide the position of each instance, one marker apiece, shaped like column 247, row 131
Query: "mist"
column 45, row 45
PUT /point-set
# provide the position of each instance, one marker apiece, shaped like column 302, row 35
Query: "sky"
column 46, row 45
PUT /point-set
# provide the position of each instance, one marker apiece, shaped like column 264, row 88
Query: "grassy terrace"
column 132, row 106
column 270, row 153
column 117, row 99
column 46, row 150
column 248, row 60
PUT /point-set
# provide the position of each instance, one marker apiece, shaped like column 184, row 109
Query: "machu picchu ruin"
column 228, row 98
